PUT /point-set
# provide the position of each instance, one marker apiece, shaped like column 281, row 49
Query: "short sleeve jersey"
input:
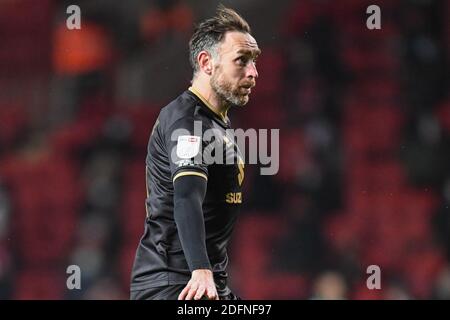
column 188, row 138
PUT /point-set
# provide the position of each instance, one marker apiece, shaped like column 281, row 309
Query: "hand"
column 201, row 284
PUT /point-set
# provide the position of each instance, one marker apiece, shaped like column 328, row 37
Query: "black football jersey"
column 188, row 138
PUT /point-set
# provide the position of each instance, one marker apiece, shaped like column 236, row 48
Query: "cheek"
column 235, row 76
column 232, row 72
column 238, row 72
column 229, row 75
column 229, row 78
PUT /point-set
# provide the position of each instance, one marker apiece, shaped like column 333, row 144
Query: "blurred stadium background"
column 364, row 151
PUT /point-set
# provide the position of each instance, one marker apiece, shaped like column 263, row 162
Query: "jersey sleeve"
column 185, row 145
column 189, row 192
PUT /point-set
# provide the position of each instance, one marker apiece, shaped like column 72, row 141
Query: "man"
column 192, row 204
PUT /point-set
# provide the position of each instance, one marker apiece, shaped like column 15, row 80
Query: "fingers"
column 199, row 293
column 193, row 292
column 212, row 294
column 185, row 291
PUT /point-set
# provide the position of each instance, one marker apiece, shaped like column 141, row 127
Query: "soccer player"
column 192, row 204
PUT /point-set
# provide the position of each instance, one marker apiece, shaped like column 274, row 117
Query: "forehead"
column 238, row 42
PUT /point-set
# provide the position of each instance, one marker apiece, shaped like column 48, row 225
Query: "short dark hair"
column 209, row 33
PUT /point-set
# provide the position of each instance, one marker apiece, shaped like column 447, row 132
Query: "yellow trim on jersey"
column 241, row 171
column 194, row 91
column 189, row 173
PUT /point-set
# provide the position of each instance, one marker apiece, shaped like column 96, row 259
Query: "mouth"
column 247, row 89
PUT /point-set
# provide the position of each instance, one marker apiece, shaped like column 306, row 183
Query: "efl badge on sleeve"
column 188, row 146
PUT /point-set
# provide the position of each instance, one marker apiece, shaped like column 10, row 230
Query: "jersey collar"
column 224, row 120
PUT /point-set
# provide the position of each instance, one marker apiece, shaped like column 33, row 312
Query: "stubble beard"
column 225, row 92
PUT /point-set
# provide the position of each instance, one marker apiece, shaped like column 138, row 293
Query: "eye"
column 242, row 61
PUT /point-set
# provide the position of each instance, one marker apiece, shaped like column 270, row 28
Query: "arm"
column 189, row 192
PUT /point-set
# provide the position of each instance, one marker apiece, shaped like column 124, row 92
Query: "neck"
column 204, row 91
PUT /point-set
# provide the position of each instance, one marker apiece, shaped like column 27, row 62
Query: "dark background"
column 364, row 119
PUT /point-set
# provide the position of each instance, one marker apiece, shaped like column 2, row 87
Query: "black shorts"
column 173, row 291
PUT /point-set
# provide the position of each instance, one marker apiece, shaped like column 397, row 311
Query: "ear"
column 204, row 60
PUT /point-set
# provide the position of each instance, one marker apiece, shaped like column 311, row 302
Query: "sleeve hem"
column 189, row 173
column 201, row 266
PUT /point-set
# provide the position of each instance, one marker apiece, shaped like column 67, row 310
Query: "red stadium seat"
column 251, row 255
column 126, row 259
column 132, row 213
column 39, row 284
column 421, row 267
column 361, row 292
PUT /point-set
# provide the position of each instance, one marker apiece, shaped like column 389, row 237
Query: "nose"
column 251, row 71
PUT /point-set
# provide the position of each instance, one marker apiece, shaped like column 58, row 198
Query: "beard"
column 225, row 91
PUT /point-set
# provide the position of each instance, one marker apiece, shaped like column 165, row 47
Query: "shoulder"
column 184, row 106
column 181, row 112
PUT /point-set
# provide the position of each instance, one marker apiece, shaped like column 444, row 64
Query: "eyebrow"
column 254, row 52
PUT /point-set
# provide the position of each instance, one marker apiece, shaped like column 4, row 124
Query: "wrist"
column 200, row 265
column 202, row 271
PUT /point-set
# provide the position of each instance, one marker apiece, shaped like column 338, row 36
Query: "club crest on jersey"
column 188, row 146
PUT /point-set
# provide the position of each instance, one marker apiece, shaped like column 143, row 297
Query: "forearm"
column 189, row 192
